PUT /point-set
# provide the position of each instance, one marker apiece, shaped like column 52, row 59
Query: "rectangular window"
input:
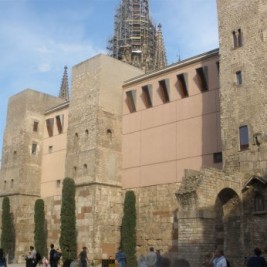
column 34, row 149
column 164, row 90
column 202, row 74
column 131, row 100
column 217, row 157
column 147, row 95
column 243, row 137
column 182, row 85
column 237, row 38
column 50, row 126
column 60, row 122
column 35, row 126
column 239, row 80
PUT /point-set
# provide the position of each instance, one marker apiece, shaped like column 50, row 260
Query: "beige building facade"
column 188, row 139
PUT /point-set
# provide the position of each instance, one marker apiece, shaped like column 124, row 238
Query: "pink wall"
column 53, row 160
column 159, row 142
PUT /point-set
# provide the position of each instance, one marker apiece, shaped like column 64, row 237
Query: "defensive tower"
column 243, row 79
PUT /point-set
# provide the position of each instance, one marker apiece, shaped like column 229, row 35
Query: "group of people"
column 219, row 260
column 152, row 259
column 33, row 257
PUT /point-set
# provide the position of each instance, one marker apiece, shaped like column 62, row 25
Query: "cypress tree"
column 8, row 233
column 128, row 229
column 67, row 241
column 39, row 230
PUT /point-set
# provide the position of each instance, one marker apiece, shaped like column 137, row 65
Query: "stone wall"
column 245, row 103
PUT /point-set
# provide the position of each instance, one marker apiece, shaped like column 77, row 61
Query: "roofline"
column 58, row 107
column 172, row 67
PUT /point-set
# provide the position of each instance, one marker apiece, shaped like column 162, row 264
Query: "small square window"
column 50, row 149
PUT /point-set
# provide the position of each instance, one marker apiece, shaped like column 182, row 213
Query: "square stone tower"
column 94, row 150
column 243, row 82
column 20, row 174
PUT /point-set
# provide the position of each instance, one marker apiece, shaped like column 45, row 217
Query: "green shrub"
column 128, row 229
column 68, row 241
column 40, row 233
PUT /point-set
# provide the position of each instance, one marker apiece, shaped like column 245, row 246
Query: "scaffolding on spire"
column 64, row 89
column 135, row 37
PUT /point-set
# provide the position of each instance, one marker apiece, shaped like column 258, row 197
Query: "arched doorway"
column 228, row 233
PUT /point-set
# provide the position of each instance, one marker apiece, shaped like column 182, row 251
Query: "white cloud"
column 45, row 67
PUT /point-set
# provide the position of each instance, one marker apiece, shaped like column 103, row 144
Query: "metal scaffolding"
column 136, row 40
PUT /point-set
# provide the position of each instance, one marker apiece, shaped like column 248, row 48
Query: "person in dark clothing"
column 31, row 258
column 256, row 260
column 52, row 256
column 83, row 257
column 159, row 259
column 120, row 257
column 2, row 258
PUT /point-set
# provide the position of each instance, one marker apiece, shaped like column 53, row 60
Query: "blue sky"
column 39, row 37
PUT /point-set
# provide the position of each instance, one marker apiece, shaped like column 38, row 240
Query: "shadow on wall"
column 181, row 263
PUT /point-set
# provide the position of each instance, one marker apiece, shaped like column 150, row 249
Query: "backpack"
column 38, row 257
column 56, row 256
column 228, row 263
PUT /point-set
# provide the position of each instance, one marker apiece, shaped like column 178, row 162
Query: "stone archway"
column 228, row 231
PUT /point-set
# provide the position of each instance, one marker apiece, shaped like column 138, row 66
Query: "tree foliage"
column 40, row 233
column 128, row 229
column 68, row 242
column 8, row 232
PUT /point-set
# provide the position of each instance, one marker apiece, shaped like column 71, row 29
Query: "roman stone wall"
column 22, row 212
column 157, row 219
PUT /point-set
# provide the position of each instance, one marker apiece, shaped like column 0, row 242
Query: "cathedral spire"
column 64, row 89
column 160, row 54
column 134, row 39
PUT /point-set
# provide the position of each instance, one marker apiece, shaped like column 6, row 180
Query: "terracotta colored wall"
column 158, row 143
column 53, row 162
